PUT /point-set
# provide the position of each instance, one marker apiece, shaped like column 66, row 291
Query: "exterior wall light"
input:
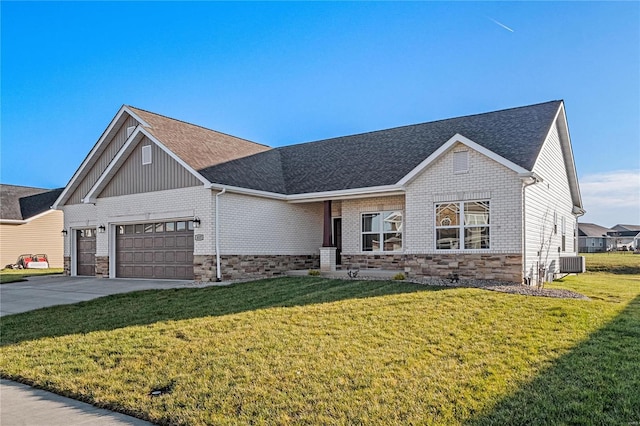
column 101, row 229
column 64, row 232
column 196, row 222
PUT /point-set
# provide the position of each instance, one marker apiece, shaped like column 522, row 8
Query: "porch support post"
column 326, row 236
column 327, row 252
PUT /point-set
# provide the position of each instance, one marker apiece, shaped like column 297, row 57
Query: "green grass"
column 616, row 262
column 309, row 350
column 16, row 275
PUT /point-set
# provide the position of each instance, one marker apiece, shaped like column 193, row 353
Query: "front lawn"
column 315, row 351
column 16, row 275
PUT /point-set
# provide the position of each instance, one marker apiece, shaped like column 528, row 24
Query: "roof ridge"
column 425, row 122
column 194, row 125
column 27, row 187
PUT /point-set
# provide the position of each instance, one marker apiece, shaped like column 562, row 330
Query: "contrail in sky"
column 501, row 24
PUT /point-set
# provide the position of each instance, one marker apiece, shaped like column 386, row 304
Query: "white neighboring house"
column 491, row 196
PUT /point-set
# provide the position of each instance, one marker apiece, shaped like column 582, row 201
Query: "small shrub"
column 399, row 276
column 314, row 272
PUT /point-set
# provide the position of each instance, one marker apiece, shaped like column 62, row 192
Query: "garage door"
column 160, row 250
column 86, row 253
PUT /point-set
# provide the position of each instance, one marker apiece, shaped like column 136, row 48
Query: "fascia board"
column 247, row 191
column 567, row 151
column 120, row 157
column 344, row 194
column 447, row 146
column 93, row 151
column 315, row 196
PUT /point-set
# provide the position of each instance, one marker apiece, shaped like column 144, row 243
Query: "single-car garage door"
column 161, row 250
column 86, row 253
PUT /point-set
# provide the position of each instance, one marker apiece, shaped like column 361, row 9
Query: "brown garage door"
column 161, row 250
column 86, row 253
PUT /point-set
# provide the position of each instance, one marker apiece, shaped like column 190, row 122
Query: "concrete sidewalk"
column 21, row 405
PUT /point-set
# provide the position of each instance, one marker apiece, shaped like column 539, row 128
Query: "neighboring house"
column 491, row 196
column 28, row 224
column 593, row 238
column 627, row 236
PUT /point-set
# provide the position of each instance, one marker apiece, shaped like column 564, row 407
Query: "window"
column 146, row 154
column 382, row 231
column 462, row 225
column 564, row 233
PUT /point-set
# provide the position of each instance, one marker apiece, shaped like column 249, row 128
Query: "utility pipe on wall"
column 218, row 273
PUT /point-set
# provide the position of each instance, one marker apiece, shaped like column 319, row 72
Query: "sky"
column 281, row 73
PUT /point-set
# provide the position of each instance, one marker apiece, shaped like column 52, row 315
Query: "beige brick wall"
column 351, row 211
column 254, row 226
column 486, row 179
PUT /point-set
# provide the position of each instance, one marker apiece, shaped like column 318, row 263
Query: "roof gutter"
column 316, row 196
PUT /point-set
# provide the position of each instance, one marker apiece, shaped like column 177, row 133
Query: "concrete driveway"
column 39, row 292
column 22, row 405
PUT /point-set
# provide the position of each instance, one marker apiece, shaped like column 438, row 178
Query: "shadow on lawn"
column 596, row 383
column 147, row 307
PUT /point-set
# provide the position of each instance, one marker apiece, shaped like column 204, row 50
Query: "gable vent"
column 460, row 161
column 146, row 154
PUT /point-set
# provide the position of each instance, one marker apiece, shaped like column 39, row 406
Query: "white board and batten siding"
column 549, row 205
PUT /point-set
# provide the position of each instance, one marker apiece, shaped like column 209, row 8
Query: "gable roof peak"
column 162, row 116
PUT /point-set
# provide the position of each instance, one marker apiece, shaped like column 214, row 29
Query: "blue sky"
column 283, row 73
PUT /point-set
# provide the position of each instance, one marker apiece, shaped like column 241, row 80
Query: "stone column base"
column 327, row 259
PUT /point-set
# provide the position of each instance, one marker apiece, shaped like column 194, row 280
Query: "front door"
column 86, row 253
column 336, row 237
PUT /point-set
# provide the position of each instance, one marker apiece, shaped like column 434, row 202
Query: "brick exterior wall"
column 486, row 179
column 501, row 267
column 261, row 226
column 248, row 266
column 102, row 266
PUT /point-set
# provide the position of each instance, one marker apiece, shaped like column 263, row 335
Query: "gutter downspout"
column 528, row 181
column 218, row 273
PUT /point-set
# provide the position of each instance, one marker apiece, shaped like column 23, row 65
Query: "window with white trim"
column 462, row 225
column 564, row 233
column 382, row 231
column 146, row 154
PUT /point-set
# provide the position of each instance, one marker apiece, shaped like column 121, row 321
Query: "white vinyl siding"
column 544, row 203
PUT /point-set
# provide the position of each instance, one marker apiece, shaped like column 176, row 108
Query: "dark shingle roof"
column 23, row 202
column 197, row 146
column 384, row 157
column 592, row 230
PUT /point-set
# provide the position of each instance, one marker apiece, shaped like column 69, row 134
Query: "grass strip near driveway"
column 315, row 351
column 16, row 275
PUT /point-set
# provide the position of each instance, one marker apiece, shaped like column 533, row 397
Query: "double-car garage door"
column 160, row 250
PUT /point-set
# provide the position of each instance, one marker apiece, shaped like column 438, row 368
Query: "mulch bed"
column 513, row 288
